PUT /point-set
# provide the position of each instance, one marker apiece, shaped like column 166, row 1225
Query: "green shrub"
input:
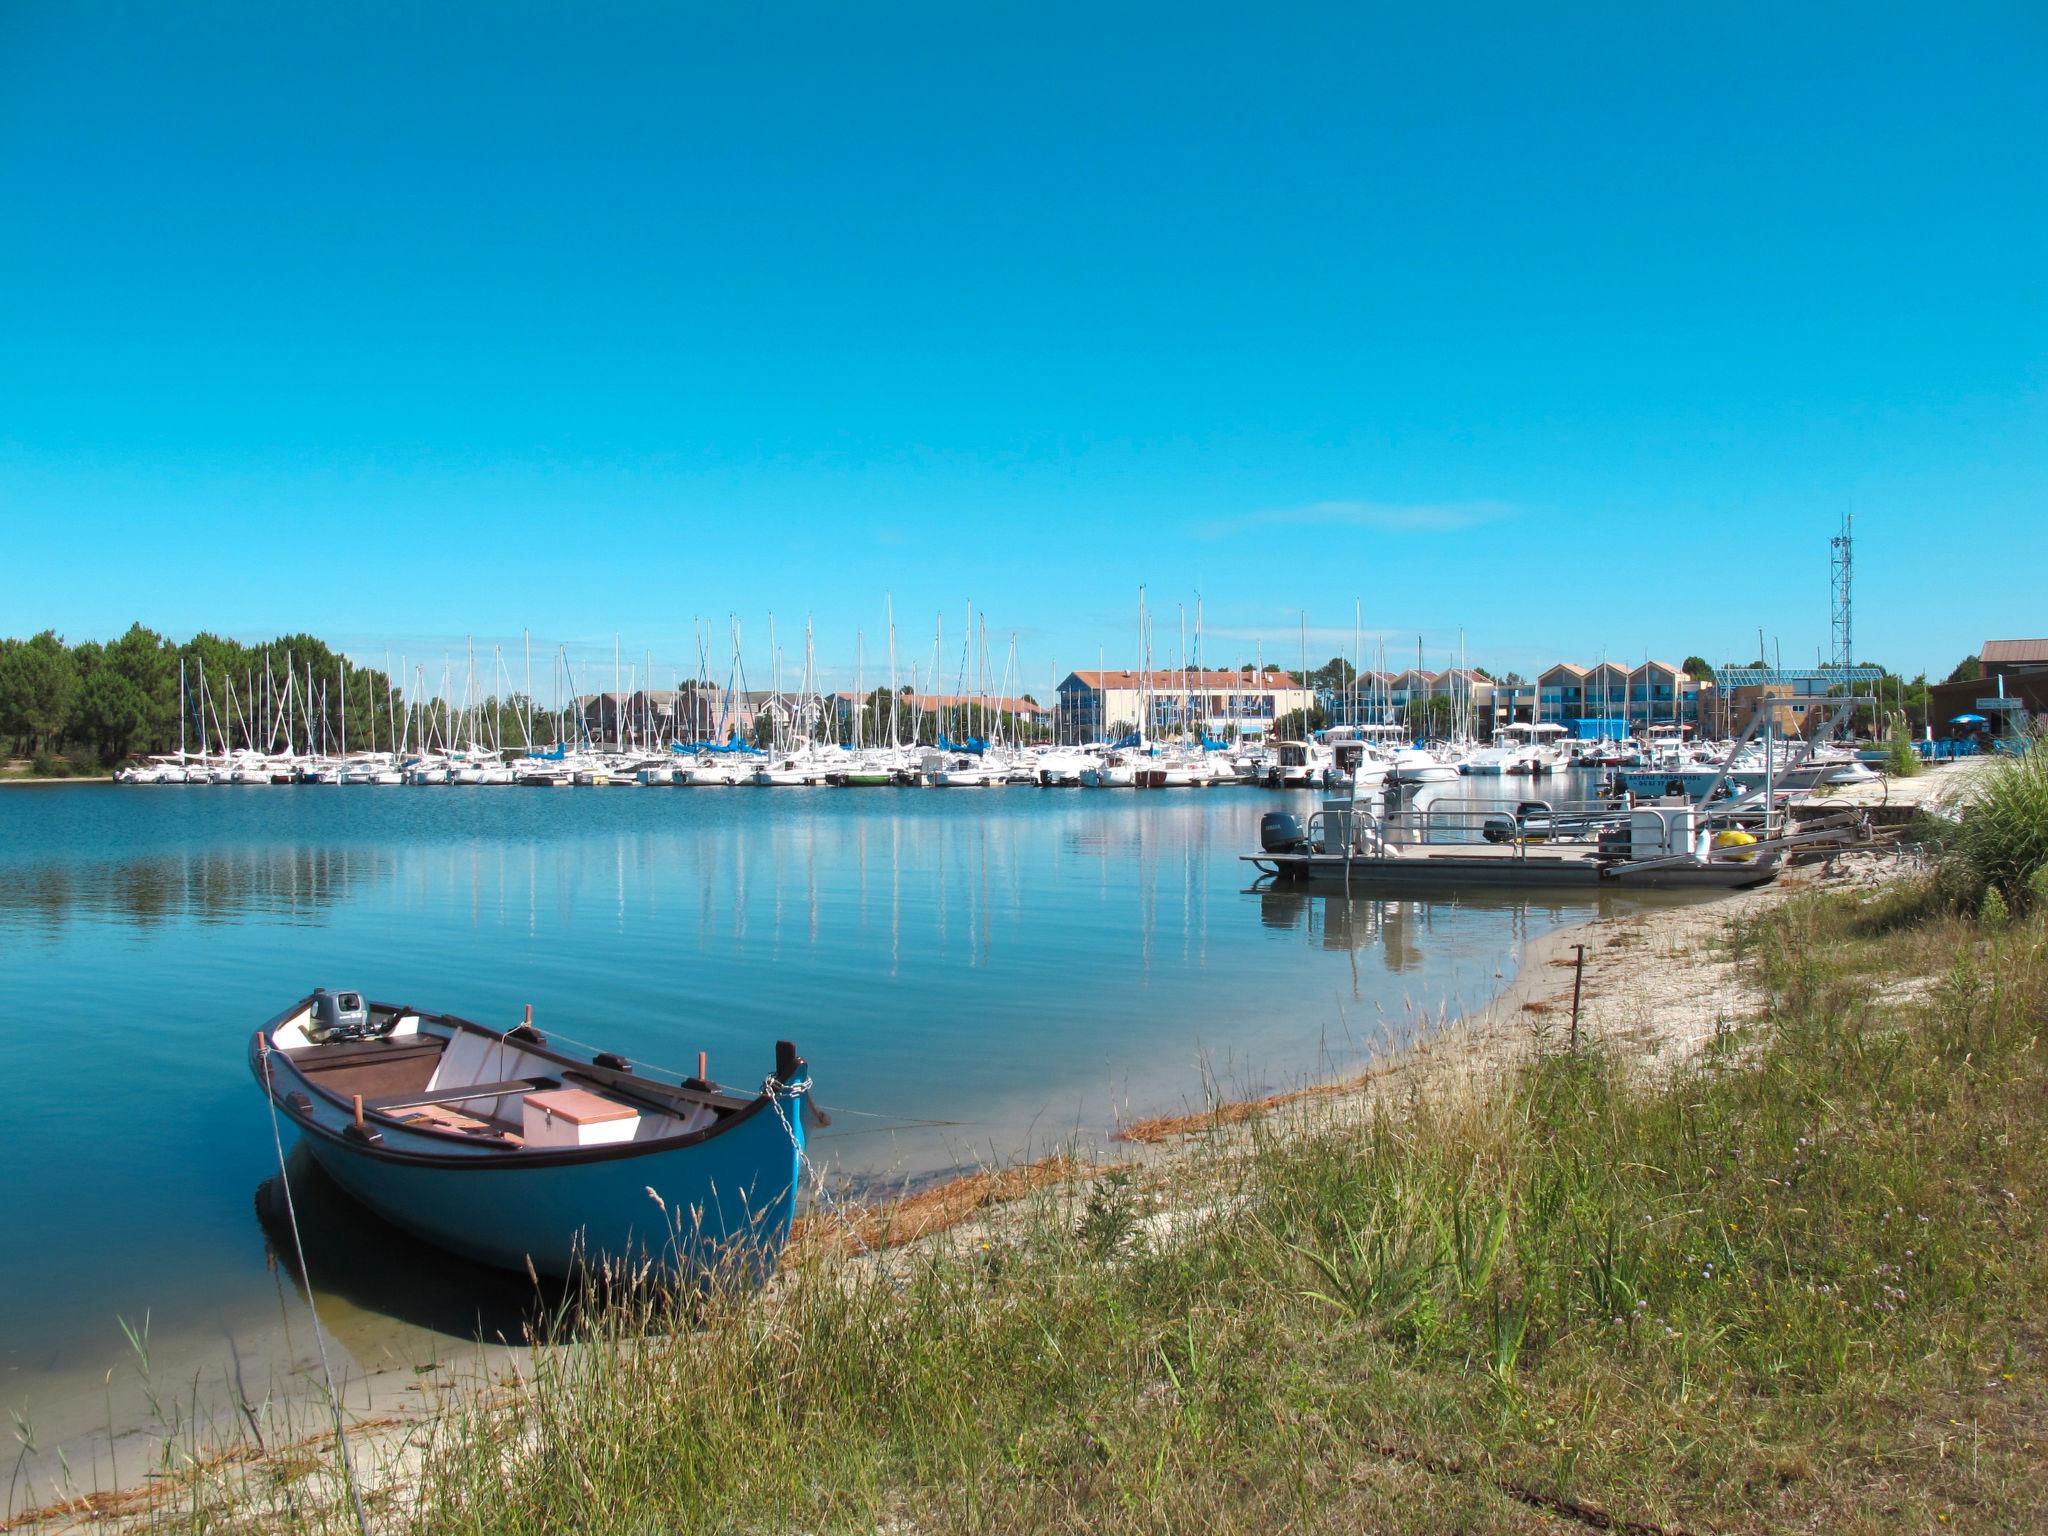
column 2001, row 842
column 1900, row 760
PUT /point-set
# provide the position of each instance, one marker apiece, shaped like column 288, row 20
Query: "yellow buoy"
column 1734, row 839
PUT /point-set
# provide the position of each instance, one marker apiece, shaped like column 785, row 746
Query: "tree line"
column 99, row 703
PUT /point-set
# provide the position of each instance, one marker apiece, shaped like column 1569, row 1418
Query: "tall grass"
column 1800, row 1284
column 1901, row 761
column 2000, row 845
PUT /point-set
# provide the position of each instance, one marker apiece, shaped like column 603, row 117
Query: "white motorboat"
column 1354, row 761
column 1063, row 766
column 962, row 771
column 1298, row 764
column 716, row 773
column 1418, row 765
column 1115, row 770
column 788, row 773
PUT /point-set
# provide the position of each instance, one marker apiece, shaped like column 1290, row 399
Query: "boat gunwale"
column 262, row 1052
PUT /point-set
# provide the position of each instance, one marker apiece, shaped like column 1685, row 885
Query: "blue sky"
column 1576, row 332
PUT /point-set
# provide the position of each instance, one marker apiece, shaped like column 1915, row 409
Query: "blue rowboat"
column 505, row 1149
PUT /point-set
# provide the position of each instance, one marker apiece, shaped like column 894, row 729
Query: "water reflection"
column 1402, row 925
column 216, row 885
column 355, row 1256
column 972, row 975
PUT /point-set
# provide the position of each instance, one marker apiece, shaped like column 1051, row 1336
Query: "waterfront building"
column 1408, row 693
column 1561, row 693
column 1367, row 702
column 2010, row 693
column 1471, row 694
column 1507, row 703
column 1095, row 704
column 1661, row 694
column 1791, row 706
column 1653, row 693
column 911, row 705
column 693, row 712
column 1605, row 692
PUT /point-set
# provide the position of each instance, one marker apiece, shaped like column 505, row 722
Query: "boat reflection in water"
column 377, row 1271
column 1402, row 925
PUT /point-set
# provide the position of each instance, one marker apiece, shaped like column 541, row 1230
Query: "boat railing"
column 1498, row 828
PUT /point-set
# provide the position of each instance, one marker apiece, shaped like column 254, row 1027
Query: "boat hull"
column 717, row 1201
column 726, row 1202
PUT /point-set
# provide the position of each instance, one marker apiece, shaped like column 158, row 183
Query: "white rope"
column 774, row 1088
column 348, row 1465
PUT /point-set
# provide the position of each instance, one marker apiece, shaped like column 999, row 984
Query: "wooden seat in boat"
column 421, row 1098
column 440, row 1118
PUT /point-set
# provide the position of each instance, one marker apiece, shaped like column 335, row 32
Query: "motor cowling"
column 338, row 1016
column 1281, row 832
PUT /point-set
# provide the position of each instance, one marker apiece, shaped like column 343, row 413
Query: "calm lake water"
column 1021, row 965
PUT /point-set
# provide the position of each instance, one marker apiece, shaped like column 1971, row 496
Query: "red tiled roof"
column 1171, row 680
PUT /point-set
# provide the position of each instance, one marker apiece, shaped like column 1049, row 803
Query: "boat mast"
column 889, row 613
column 1144, row 670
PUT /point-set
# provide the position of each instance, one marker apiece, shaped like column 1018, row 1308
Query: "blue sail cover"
column 1211, row 744
column 554, row 754
column 973, row 744
column 734, row 745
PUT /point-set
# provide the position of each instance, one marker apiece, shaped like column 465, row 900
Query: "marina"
column 1296, row 771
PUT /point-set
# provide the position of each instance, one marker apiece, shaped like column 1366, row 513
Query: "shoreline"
column 1657, row 988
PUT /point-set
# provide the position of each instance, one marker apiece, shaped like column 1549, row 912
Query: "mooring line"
column 348, row 1465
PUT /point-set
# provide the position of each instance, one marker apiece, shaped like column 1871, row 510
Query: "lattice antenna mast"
column 1840, row 569
column 1839, row 564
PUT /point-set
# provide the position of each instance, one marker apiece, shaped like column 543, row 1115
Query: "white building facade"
column 1094, row 705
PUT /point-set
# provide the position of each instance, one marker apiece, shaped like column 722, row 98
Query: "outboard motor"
column 338, row 1016
column 1280, row 832
column 1532, row 819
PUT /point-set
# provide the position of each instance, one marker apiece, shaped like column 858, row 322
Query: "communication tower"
column 1839, row 564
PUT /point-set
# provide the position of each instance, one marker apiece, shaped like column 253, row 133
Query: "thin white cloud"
column 1380, row 516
